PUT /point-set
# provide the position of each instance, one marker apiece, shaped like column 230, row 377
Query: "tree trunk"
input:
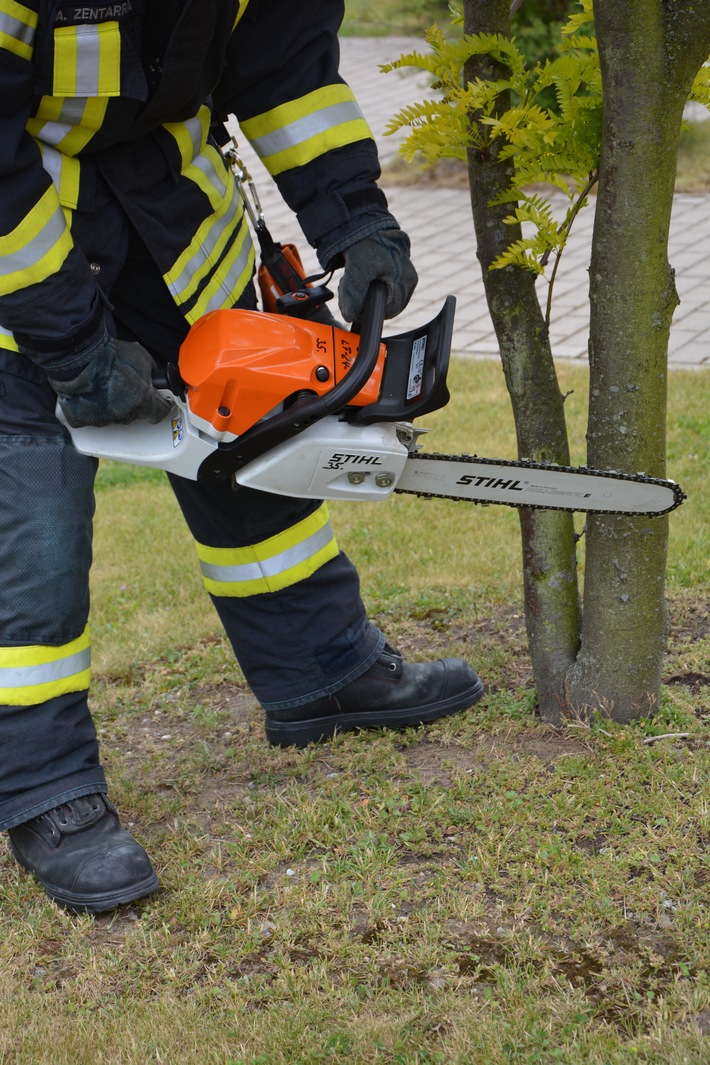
column 548, row 538
column 650, row 51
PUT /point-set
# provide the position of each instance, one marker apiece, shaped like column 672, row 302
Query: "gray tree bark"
column 548, row 540
column 650, row 52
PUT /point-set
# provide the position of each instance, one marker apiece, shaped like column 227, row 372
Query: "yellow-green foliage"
column 700, row 91
column 556, row 146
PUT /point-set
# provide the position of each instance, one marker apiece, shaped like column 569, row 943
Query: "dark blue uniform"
column 116, row 208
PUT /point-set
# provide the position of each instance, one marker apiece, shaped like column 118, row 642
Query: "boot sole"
column 81, row 903
column 315, row 730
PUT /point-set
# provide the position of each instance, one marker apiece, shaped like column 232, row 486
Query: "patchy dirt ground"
column 433, row 632
column 192, row 766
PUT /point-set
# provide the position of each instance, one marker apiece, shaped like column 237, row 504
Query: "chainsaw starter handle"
column 306, row 410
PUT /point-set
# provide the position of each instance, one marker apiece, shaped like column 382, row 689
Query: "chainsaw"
column 289, row 405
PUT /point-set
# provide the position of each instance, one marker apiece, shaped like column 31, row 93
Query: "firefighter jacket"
column 114, row 110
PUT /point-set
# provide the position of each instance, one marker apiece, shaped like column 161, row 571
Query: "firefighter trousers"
column 288, row 599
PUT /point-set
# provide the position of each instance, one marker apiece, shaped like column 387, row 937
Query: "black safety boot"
column 82, row 857
column 391, row 694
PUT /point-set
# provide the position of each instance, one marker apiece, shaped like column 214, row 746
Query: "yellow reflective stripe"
column 204, row 248
column 201, row 254
column 205, row 256
column 37, row 247
column 35, row 673
column 298, row 132
column 49, row 113
column 87, row 60
column 67, row 125
column 242, row 9
column 66, row 51
column 65, row 172
column 273, row 564
column 17, row 28
column 190, row 136
column 208, row 172
column 7, row 340
column 229, row 279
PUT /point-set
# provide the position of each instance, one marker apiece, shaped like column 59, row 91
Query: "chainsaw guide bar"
column 482, row 483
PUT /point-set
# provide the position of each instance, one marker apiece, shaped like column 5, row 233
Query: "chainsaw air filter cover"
column 240, row 366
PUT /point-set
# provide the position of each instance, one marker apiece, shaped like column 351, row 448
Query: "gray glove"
column 382, row 256
column 114, row 387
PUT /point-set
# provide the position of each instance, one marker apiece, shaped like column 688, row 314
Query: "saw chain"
column 549, row 467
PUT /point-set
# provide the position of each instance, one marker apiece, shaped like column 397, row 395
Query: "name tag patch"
column 91, row 14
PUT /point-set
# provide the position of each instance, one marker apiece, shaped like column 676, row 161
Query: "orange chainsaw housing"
column 239, row 366
column 268, row 285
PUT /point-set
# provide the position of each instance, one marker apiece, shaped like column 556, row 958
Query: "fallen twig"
column 668, row 736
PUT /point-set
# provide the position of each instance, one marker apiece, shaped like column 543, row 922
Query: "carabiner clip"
column 242, row 177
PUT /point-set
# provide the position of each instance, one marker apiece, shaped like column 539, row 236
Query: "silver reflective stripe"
column 35, row 250
column 196, row 133
column 216, row 178
column 214, row 234
column 70, row 116
column 87, row 66
column 228, row 283
column 49, row 672
column 19, row 31
column 304, row 128
column 203, row 253
column 270, row 567
column 52, row 163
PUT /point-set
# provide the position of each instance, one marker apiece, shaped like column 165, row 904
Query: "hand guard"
column 114, row 387
column 382, row 256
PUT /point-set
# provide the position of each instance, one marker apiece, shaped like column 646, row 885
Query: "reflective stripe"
column 17, row 28
column 226, row 279
column 64, row 171
column 7, row 340
column 242, row 9
column 35, row 673
column 87, row 60
column 191, row 135
column 229, row 280
column 295, row 133
column 37, row 247
column 196, row 259
column 67, row 125
column 273, row 564
column 221, row 251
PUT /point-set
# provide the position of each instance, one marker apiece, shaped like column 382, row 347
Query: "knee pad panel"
column 46, row 510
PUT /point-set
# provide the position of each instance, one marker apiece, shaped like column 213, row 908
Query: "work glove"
column 382, row 256
column 113, row 387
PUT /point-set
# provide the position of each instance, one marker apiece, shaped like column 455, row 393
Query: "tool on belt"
column 281, row 270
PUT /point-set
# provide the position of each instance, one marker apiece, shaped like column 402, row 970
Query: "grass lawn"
column 364, row 18
column 488, row 890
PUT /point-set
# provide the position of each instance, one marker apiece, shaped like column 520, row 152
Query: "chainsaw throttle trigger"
column 301, row 302
column 167, row 379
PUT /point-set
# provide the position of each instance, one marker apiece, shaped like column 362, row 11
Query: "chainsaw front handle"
column 306, row 410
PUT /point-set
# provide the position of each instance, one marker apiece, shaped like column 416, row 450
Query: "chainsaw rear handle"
column 306, row 409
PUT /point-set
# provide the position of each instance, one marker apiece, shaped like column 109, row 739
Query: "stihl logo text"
column 489, row 482
column 338, row 460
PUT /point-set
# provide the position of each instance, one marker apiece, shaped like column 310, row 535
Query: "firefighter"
column 120, row 226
